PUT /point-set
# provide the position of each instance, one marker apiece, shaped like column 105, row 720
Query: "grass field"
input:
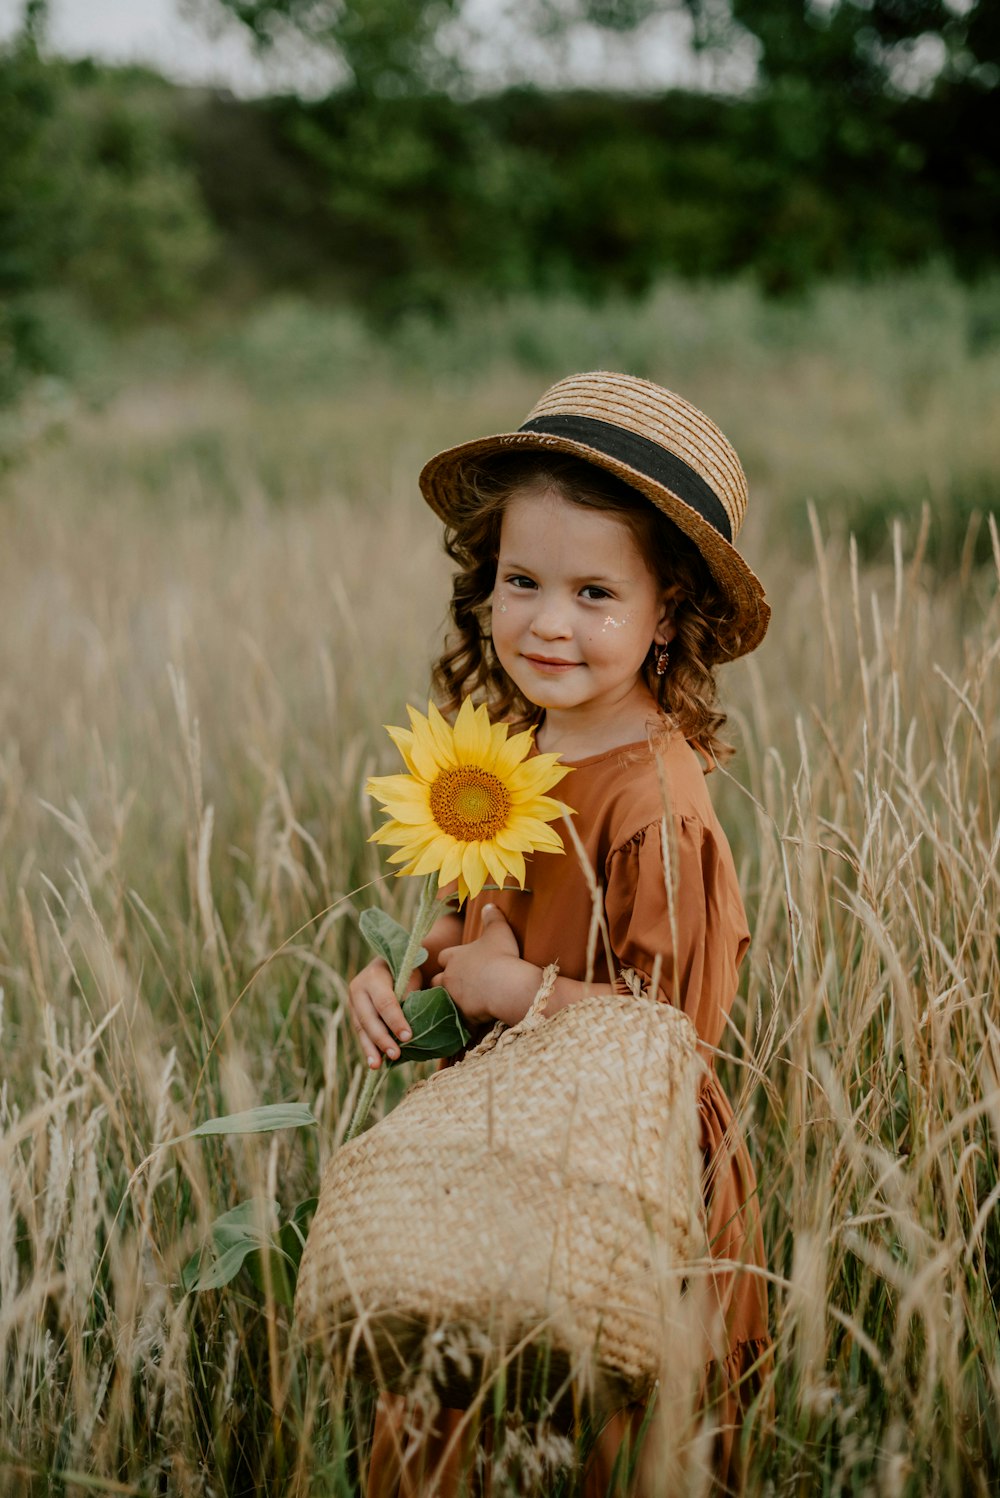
column 215, row 586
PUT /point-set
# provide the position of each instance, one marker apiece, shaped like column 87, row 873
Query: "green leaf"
column 191, row 1270
column 282, row 1282
column 240, row 1222
column 438, row 1029
column 234, row 1235
column 225, row 1268
column 238, row 1240
column 295, row 1228
column 254, row 1121
column 388, row 938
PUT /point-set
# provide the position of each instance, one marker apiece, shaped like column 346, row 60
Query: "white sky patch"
column 192, row 41
column 498, row 49
column 182, row 44
column 914, row 65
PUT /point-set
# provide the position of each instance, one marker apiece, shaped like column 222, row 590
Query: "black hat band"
column 646, row 457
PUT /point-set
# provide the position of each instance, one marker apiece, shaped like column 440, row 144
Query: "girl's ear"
column 666, row 627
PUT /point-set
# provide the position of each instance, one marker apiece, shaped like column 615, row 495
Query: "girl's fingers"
column 372, row 1030
column 391, row 1014
column 368, row 1050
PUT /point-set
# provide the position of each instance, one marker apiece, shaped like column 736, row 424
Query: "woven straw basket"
column 529, row 1209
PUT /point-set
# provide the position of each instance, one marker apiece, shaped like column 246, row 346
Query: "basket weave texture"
column 547, row 1184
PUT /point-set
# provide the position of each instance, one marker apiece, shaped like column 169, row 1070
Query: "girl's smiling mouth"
column 549, row 663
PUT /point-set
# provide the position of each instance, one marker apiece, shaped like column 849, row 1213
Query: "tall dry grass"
column 190, row 697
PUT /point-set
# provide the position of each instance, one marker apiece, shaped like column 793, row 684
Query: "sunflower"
column 472, row 804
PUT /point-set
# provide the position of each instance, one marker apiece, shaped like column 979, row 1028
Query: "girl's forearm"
column 569, row 990
column 512, row 1006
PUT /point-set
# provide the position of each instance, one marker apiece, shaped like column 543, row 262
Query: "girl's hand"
column 487, row 978
column 376, row 1017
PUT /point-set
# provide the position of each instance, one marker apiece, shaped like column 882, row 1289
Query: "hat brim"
column 443, row 485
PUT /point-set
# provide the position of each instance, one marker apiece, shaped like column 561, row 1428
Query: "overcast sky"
column 175, row 37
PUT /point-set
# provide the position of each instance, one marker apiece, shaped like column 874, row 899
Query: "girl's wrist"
column 514, row 1002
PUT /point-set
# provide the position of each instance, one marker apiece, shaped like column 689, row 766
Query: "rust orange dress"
column 619, row 798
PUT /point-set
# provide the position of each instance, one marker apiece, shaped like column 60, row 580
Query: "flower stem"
column 427, row 913
column 363, row 1106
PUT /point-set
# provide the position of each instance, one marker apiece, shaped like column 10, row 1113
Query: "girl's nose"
column 551, row 623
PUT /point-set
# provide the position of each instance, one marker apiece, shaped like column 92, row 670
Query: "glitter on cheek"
column 610, row 622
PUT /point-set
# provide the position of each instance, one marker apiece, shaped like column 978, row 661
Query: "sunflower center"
column 469, row 804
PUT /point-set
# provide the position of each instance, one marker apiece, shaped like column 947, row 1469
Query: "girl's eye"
column 594, row 592
column 518, row 580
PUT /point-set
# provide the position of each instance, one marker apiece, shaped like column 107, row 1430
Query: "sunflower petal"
column 498, row 737
column 539, row 835
column 493, row 859
column 397, row 787
column 474, row 870
column 545, row 808
column 556, row 769
column 402, row 855
column 484, row 728
column 541, row 839
column 512, row 841
column 403, row 740
column 397, row 836
column 409, row 816
column 466, row 736
column 432, row 857
column 391, row 833
column 434, row 737
column 515, row 863
column 444, row 737
column 407, row 802
column 451, row 864
column 513, row 752
column 424, row 758
column 535, row 776
column 399, row 833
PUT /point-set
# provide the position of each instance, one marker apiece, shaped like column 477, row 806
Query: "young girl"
column 597, row 590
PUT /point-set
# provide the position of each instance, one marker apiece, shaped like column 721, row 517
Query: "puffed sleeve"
column 700, row 935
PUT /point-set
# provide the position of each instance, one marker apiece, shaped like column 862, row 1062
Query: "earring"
column 662, row 657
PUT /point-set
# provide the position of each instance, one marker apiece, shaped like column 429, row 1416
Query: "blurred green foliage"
column 404, row 192
column 401, row 203
column 99, row 207
column 26, row 105
column 398, row 190
column 871, row 402
column 135, row 235
column 384, row 46
column 871, row 140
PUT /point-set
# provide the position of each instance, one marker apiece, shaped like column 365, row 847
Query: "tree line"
column 404, row 189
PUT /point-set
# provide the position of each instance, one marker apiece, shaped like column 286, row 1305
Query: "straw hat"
column 651, row 439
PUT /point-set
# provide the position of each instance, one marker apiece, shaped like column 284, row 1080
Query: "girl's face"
column 575, row 608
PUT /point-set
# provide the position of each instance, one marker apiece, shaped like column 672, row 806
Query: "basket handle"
column 534, row 1016
column 529, row 1021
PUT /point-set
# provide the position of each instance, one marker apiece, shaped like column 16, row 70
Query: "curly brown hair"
column 706, row 632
